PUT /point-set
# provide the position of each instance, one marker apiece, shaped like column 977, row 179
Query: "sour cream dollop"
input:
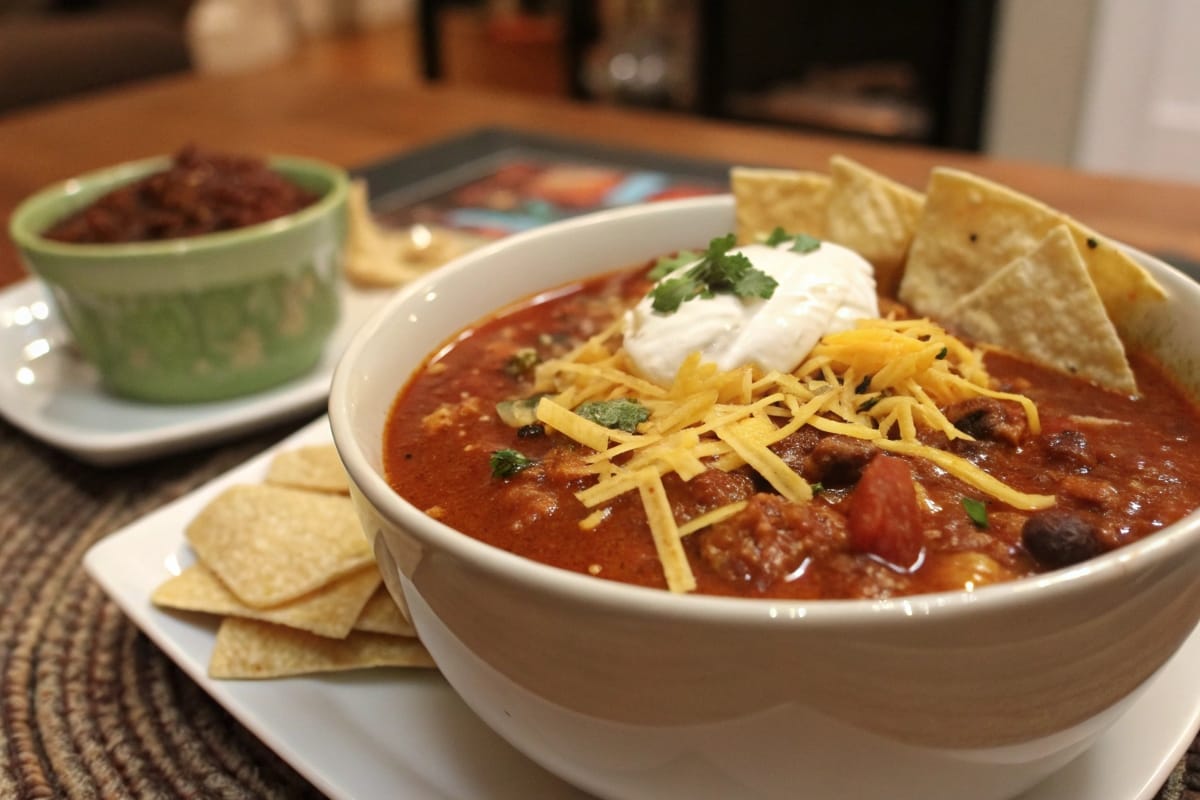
column 819, row 292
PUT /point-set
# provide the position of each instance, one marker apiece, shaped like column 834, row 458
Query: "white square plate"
column 404, row 733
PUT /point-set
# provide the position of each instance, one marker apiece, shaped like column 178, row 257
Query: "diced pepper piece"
column 884, row 518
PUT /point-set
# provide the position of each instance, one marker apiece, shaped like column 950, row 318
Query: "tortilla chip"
column 382, row 615
column 247, row 648
column 872, row 215
column 316, row 467
column 378, row 257
column 971, row 227
column 766, row 199
column 271, row 544
column 1045, row 306
column 331, row 610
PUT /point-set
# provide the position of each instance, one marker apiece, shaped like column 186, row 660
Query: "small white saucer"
column 50, row 392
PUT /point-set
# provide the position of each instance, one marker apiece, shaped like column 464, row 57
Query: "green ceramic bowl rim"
column 110, row 178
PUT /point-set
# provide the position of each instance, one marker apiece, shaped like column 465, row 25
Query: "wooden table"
column 356, row 99
column 88, row 706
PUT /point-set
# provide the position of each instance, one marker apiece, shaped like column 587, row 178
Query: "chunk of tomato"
column 883, row 517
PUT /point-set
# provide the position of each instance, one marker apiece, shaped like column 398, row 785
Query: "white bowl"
column 633, row 692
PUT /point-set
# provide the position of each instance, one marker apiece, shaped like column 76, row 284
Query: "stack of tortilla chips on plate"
column 287, row 567
column 993, row 264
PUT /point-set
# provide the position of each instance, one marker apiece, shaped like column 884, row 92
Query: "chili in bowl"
column 851, row 663
column 195, row 278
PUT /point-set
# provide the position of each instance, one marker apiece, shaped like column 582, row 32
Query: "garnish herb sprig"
column 717, row 272
column 508, row 462
column 668, row 264
column 621, row 413
column 801, row 242
column 521, row 362
column 977, row 511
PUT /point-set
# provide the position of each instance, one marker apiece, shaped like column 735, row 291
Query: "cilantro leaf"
column 722, row 270
column 670, row 294
column 801, row 242
column 668, row 264
column 718, row 271
column 619, row 414
column 521, row 362
column 805, row 243
column 719, row 246
column 777, row 236
column 945, row 351
column 508, row 462
column 755, row 283
column 977, row 511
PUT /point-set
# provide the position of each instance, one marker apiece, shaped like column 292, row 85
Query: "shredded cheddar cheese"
column 667, row 540
column 882, row 381
column 711, row 518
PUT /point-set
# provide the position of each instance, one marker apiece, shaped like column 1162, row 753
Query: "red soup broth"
column 1121, row 468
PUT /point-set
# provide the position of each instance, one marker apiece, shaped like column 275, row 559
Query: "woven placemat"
column 90, row 707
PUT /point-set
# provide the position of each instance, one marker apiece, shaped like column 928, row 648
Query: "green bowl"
column 199, row 318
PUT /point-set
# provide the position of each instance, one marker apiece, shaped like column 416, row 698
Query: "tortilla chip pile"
column 994, row 265
column 289, row 570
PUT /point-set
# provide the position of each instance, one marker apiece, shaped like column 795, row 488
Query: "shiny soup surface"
column 1120, row 468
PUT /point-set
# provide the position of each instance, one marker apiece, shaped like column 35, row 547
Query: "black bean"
column 530, row 431
column 1059, row 538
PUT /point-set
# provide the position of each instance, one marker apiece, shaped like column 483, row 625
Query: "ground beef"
column 715, row 488
column 200, row 193
column 769, row 540
column 795, row 447
column 838, row 460
column 830, row 459
column 988, row 419
column 1094, row 492
column 1072, row 449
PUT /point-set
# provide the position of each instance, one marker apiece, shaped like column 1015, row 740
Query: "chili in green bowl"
column 200, row 317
